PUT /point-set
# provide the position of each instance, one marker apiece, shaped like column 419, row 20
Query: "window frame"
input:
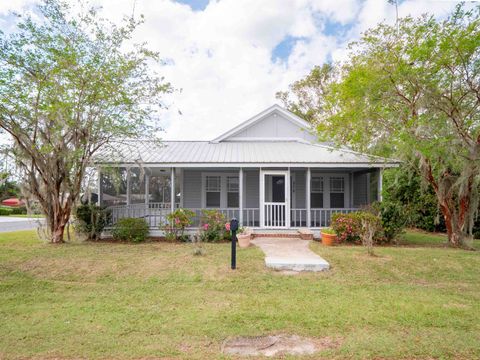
column 347, row 183
column 223, row 189
column 336, row 191
column 317, row 191
column 237, row 178
column 217, row 190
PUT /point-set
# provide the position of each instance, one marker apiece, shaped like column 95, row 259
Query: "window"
column 337, row 192
column 316, row 195
column 213, row 186
column 232, row 192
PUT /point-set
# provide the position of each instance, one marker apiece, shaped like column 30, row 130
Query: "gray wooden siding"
column 251, row 186
column 192, row 189
column 300, row 189
column 274, row 127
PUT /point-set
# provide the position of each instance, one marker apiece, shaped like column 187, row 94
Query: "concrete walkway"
column 290, row 254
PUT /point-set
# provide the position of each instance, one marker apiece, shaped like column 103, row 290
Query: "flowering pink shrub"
column 227, row 226
column 348, row 227
column 214, row 226
column 176, row 223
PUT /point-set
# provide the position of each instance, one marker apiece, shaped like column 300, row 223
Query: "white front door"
column 274, row 199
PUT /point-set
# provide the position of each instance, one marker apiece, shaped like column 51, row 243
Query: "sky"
column 228, row 58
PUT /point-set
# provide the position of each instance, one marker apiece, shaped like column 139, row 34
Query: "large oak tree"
column 70, row 83
column 412, row 91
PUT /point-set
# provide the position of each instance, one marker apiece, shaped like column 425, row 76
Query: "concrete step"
column 292, row 235
column 296, row 264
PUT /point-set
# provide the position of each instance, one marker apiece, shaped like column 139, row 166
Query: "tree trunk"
column 58, row 222
column 454, row 232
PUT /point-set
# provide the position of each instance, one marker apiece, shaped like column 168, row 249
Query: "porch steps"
column 302, row 233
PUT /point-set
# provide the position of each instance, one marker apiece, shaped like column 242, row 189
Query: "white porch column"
column 240, row 195
column 99, row 185
column 288, row 200
column 262, row 196
column 380, row 184
column 128, row 186
column 307, row 200
column 147, row 190
column 172, row 189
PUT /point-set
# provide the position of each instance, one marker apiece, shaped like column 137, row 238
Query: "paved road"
column 11, row 223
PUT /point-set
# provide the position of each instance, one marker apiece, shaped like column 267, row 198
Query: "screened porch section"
column 263, row 198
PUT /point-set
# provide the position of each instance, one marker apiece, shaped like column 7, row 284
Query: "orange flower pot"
column 328, row 239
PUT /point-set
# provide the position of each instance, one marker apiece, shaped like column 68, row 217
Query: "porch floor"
column 290, row 254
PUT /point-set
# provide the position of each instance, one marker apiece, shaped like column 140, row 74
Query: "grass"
column 155, row 300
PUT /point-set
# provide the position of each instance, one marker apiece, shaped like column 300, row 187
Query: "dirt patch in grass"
column 275, row 345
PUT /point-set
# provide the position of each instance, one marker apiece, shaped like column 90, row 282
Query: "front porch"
column 272, row 198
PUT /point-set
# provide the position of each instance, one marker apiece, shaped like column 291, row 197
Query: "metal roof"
column 245, row 153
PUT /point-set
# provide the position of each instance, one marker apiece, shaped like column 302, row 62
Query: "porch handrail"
column 155, row 214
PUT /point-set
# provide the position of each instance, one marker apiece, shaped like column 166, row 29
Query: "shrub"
column 347, row 227
column 177, row 221
column 371, row 225
column 214, row 226
column 21, row 210
column 393, row 218
column 5, row 210
column 404, row 187
column 130, row 229
column 91, row 220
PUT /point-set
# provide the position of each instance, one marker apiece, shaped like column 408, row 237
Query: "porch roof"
column 237, row 153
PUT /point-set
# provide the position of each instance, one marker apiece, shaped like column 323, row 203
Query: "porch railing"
column 322, row 217
column 155, row 214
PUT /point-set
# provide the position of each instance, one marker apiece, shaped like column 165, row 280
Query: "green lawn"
column 157, row 300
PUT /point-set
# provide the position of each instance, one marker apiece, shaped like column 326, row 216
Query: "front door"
column 275, row 209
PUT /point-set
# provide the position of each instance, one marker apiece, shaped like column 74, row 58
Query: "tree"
column 8, row 188
column 69, row 86
column 310, row 94
column 415, row 94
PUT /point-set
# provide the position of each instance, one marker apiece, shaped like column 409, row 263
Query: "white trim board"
column 259, row 165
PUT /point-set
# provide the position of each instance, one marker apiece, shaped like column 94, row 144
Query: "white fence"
column 155, row 214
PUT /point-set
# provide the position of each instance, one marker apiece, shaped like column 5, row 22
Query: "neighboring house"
column 269, row 172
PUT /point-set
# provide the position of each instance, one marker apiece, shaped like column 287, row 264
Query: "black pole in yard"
column 233, row 229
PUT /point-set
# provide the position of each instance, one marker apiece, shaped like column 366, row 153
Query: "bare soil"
column 273, row 345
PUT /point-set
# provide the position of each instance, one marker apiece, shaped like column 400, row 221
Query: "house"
column 269, row 172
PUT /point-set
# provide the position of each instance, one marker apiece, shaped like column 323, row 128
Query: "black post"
column 234, row 250
column 233, row 229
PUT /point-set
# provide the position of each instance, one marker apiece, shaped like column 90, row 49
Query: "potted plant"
column 328, row 236
column 243, row 236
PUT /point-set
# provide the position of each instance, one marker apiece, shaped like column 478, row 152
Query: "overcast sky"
column 230, row 57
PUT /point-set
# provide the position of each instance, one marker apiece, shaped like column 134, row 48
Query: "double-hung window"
column 337, row 192
column 316, row 195
column 213, row 191
column 232, row 192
